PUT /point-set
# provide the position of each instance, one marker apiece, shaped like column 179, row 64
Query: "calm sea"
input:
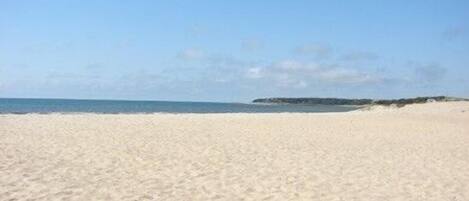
column 24, row 106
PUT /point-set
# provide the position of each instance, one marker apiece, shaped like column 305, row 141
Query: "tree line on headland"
column 342, row 101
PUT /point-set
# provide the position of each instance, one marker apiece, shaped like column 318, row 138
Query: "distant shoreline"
column 355, row 102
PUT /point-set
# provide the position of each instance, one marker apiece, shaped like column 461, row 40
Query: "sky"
column 233, row 51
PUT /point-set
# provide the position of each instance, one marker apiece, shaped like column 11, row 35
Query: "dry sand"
column 419, row 152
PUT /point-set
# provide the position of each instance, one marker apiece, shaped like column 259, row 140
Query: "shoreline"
column 357, row 108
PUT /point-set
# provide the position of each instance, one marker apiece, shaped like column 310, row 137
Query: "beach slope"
column 418, row 152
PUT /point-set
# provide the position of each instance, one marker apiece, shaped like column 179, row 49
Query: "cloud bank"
column 291, row 73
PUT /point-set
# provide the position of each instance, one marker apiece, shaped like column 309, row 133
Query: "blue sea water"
column 24, row 106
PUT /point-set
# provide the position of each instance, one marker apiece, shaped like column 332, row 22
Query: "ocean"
column 25, row 106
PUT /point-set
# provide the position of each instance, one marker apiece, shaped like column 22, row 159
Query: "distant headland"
column 357, row 102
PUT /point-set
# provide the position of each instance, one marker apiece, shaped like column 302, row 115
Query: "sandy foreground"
column 419, row 152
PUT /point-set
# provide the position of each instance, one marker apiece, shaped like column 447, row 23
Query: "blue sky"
column 233, row 50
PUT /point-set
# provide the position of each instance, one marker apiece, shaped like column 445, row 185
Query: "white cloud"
column 359, row 56
column 291, row 73
column 430, row 72
column 92, row 66
column 191, row 54
column 196, row 30
column 301, row 84
column 221, row 80
column 342, row 75
column 254, row 73
column 292, row 65
column 455, row 32
column 287, row 81
column 319, row 51
column 251, row 44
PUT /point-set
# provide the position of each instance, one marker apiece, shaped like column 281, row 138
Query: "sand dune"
column 419, row 152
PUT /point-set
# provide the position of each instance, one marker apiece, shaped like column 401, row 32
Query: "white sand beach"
column 418, row 152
